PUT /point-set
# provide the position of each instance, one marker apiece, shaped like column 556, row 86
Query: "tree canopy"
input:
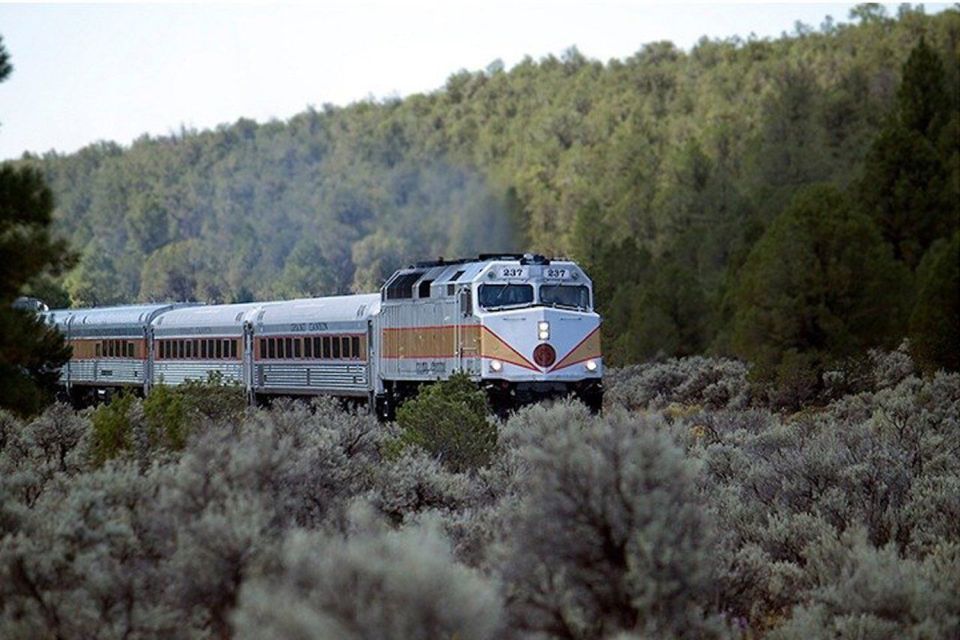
column 821, row 282
column 30, row 353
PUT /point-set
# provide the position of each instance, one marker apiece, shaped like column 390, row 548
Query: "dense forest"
column 692, row 184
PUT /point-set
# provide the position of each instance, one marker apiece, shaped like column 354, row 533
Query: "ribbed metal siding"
column 106, row 372
column 313, row 377
column 174, row 373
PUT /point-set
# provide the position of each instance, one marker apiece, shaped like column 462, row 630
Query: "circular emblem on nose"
column 544, row 355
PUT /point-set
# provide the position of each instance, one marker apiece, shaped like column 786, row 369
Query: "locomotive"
column 521, row 326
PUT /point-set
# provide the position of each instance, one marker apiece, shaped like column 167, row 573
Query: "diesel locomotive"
column 523, row 327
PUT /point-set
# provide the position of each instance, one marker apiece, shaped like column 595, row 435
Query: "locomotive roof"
column 57, row 317
column 448, row 272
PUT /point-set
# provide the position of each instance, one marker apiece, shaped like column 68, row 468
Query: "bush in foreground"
column 449, row 419
column 610, row 534
column 378, row 584
column 671, row 520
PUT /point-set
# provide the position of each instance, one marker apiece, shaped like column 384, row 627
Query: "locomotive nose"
column 544, row 355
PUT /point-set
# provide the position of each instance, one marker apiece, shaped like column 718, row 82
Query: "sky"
column 85, row 73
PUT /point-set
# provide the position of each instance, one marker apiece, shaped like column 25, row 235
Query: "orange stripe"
column 428, row 341
column 586, row 349
column 489, row 351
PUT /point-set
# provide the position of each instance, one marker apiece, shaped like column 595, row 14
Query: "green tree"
column 171, row 273
column 905, row 185
column 617, row 270
column 94, row 282
column 306, row 273
column 148, row 224
column 377, row 256
column 935, row 320
column 31, row 353
column 820, row 284
column 671, row 315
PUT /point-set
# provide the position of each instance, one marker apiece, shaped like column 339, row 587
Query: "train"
column 523, row 327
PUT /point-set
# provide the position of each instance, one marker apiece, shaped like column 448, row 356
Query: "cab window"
column 495, row 296
column 575, row 297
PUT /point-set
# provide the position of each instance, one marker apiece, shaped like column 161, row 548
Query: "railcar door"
column 246, row 368
column 463, row 347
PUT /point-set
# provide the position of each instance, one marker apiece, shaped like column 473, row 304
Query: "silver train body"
column 522, row 327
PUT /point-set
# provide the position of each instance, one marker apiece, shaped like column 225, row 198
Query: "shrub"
column 166, row 416
column 415, row 482
column 112, row 431
column 171, row 412
column 609, row 534
column 84, row 563
column 711, row 382
column 214, row 398
column 449, row 419
column 378, row 584
column 872, row 593
column 835, row 520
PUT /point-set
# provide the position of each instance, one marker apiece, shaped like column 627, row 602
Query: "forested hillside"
column 666, row 173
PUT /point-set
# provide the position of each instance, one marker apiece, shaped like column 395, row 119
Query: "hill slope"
column 687, row 156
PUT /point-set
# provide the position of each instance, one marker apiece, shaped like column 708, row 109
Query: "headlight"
column 496, row 366
column 543, row 330
column 591, row 365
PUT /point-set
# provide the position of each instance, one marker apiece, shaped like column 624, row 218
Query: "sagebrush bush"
column 377, row 585
column 709, row 382
column 683, row 517
column 450, row 420
column 861, row 591
column 610, row 534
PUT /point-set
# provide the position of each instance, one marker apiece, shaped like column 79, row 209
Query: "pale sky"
column 84, row 73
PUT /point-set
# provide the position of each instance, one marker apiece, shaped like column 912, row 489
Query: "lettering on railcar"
column 435, row 367
column 308, row 326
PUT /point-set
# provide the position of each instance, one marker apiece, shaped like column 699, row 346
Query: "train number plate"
column 510, row 273
column 556, row 273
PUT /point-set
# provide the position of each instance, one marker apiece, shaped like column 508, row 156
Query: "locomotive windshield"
column 576, row 297
column 498, row 296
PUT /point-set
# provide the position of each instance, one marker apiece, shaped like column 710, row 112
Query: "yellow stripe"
column 586, row 350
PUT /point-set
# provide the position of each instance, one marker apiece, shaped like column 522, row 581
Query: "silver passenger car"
column 110, row 345
column 316, row 345
column 197, row 342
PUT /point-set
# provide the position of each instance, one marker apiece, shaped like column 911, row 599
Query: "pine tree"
column 30, row 353
column 935, row 320
column 905, row 185
column 820, row 284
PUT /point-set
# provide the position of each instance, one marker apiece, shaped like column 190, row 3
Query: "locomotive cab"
column 540, row 336
column 523, row 327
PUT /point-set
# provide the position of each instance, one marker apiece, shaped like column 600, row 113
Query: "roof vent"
column 534, row 258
